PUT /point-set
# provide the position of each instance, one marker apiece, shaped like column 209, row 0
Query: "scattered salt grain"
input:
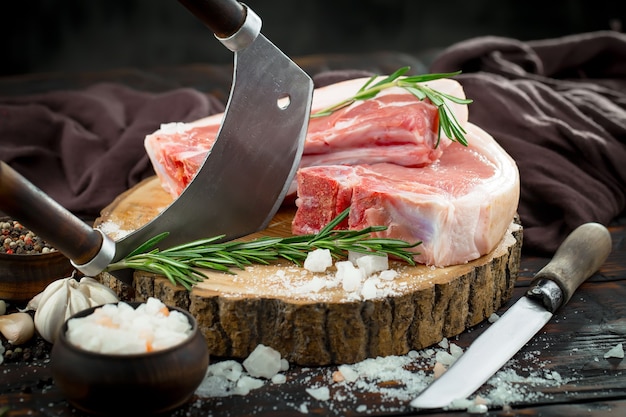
column 477, row 409
column 278, row 379
column 348, row 373
column 396, row 379
column 443, row 343
column 246, row 383
column 493, row 318
column 113, row 230
column 122, row 329
column 230, row 377
column 616, row 351
column 455, row 350
column 388, row 275
column 371, row 264
column 263, row 362
column 445, row 358
column 369, row 289
column 318, row 260
column 349, row 276
column 319, row 393
column 439, row 369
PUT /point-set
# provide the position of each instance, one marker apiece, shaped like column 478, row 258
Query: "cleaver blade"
column 579, row 256
column 243, row 179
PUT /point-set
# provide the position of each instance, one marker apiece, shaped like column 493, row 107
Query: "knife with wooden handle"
column 579, row 256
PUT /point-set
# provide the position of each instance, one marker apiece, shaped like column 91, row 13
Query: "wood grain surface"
column 270, row 304
column 572, row 343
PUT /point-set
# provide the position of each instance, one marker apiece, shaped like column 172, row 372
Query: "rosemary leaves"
column 415, row 85
column 183, row 264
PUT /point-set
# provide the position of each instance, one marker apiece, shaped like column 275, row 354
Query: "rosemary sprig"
column 183, row 264
column 413, row 84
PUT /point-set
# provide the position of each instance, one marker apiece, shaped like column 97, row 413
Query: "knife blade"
column 577, row 258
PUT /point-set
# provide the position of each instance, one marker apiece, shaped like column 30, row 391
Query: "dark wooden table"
column 573, row 344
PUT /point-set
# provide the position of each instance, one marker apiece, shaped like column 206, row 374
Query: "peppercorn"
column 16, row 239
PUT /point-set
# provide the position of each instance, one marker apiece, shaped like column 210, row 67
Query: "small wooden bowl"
column 24, row 276
column 134, row 384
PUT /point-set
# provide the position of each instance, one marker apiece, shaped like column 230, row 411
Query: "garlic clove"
column 50, row 314
column 17, row 328
column 32, row 304
column 77, row 302
column 49, row 291
column 97, row 292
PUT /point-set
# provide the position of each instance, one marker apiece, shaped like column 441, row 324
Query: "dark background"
column 86, row 35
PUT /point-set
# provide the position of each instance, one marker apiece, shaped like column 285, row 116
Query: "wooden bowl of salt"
column 112, row 377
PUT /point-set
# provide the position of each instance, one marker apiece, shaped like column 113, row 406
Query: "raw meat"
column 459, row 207
column 177, row 151
column 393, row 127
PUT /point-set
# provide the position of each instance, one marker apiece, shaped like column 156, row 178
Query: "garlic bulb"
column 66, row 297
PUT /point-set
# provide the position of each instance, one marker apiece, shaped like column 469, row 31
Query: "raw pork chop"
column 393, row 127
column 459, row 207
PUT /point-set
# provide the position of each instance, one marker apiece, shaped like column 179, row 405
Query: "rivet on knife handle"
column 579, row 256
column 26, row 203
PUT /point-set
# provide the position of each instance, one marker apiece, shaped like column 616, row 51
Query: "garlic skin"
column 17, row 328
column 66, row 297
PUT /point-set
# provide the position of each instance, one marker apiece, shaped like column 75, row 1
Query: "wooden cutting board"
column 307, row 317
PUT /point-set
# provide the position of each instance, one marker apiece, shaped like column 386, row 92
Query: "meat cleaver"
column 579, row 256
column 244, row 178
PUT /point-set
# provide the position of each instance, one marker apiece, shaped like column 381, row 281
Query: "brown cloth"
column 558, row 107
column 85, row 147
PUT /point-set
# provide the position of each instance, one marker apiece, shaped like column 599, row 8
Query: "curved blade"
column 250, row 167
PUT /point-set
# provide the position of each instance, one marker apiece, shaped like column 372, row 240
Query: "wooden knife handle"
column 26, row 203
column 223, row 17
column 580, row 255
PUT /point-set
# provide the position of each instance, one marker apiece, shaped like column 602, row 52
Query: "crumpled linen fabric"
column 558, row 107
column 85, row 147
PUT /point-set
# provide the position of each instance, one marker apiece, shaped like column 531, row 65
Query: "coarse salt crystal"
column 369, row 289
column 455, row 350
column 445, row 358
column 229, row 369
column 263, row 361
column 388, row 275
column 371, row 264
column 321, row 393
column 348, row 373
column 122, row 329
column 443, row 343
column 279, row 379
column 349, row 275
column 318, row 260
column 438, row 369
column 246, row 383
column 616, row 351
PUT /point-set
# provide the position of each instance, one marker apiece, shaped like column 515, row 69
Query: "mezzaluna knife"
column 579, row 256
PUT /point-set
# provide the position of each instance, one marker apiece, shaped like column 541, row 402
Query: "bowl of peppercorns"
column 27, row 263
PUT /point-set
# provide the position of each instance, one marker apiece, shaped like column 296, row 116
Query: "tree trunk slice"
column 277, row 305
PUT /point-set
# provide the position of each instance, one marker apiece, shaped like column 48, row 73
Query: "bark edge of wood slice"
column 418, row 309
